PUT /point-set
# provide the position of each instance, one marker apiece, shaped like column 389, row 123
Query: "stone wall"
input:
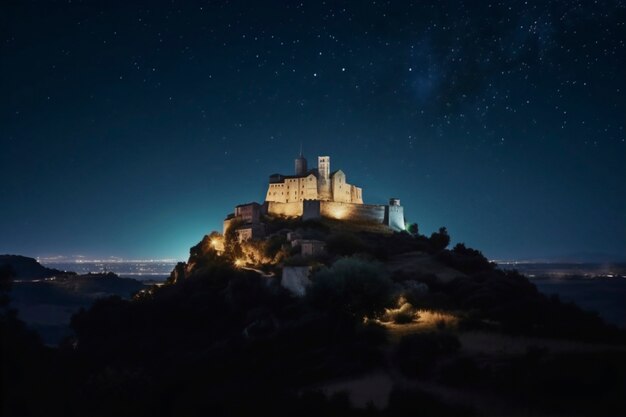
column 394, row 217
column 250, row 231
column 311, row 209
column 290, row 190
column 293, row 209
column 349, row 211
column 249, row 213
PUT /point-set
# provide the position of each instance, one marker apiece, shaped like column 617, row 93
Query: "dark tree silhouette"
column 439, row 240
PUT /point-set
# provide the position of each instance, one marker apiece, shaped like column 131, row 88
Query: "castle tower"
column 300, row 163
column 394, row 215
column 323, row 168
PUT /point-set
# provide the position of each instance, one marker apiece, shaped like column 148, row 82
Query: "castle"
column 313, row 194
column 315, row 184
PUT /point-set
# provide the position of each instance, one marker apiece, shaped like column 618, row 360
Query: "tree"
column 413, row 229
column 439, row 240
column 353, row 286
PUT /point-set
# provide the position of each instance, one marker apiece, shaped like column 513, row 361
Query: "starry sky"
column 131, row 130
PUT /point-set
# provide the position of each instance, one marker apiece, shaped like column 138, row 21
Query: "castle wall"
column 293, row 209
column 391, row 215
column 350, row 211
column 311, row 209
column 394, row 217
column 251, row 231
column 324, row 188
column 249, row 213
column 357, row 194
column 293, row 189
column 341, row 190
column 344, row 192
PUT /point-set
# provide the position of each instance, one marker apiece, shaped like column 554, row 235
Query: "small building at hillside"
column 309, row 247
column 247, row 220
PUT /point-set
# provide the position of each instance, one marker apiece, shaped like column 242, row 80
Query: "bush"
column 403, row 317
column 405, row 313
column 466, row 260
column 353, row 286
column 439, row 240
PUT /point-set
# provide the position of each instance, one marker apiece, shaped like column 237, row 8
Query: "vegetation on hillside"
column 222, row 340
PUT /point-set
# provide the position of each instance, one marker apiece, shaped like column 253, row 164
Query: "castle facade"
column 313, row 194
column 314, row 184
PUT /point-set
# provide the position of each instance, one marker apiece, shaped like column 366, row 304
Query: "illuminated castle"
column 314, row 184
column 313, row 194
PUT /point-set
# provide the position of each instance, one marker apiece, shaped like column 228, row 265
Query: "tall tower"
column 323, row 168
column 300, row 162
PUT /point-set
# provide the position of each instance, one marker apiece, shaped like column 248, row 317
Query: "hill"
column 28, row 268
column 47, row 298
column 391, row 324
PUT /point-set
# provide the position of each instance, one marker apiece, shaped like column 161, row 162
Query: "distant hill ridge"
column 24, row 267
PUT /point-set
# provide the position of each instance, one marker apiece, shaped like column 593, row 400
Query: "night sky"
column 131, row 131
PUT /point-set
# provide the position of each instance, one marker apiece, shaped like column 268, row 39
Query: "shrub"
column 439, row 240
column 405, row 313
column 353, row 286
column 466, row 260
column 404, row 317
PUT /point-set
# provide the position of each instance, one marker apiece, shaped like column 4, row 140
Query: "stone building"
column 310, row 247
column 313, row 184
column 312, row 194
column 247, row 217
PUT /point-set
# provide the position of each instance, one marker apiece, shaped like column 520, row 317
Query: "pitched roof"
column 274, row 178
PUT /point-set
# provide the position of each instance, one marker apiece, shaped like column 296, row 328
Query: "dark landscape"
column 392, row 324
